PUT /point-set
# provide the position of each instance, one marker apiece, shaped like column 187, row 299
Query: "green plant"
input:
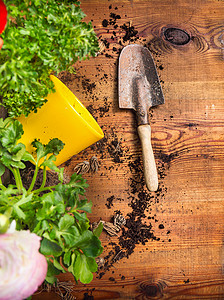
column 41, row 37
column 57, row 213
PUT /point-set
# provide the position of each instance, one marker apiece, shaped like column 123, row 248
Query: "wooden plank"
column 185, row 260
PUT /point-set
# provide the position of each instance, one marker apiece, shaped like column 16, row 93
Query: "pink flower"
column 22, row 267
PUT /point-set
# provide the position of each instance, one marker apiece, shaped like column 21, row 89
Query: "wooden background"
column 188, row 142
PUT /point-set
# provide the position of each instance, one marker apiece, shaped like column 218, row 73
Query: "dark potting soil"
column 27, row 176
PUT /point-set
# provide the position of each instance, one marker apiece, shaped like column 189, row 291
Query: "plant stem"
column 18, row 179
column 34, row 179
column 50, row 188
column 2, row 185
column 1, row 180
column 8, row 212
column 44, row 178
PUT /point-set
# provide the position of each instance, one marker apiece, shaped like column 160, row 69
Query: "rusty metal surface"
column 139, row 86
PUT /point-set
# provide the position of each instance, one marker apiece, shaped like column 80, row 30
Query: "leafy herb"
column 41, row 37
column 57, row 213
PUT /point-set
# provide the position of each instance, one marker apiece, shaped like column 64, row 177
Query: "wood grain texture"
column 188, row 143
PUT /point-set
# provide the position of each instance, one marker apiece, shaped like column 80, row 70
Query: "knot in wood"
column 176, row 36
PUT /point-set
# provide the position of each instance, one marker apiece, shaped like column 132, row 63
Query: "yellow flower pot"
column 63, row 117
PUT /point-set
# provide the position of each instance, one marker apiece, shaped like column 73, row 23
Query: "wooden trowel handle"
column 149, row 165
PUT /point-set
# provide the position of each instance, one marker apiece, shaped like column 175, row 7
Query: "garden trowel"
column 140, row 89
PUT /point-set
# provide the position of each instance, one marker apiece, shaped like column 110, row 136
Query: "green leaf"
column 24, row 32
column 52, row 271
column 50, row 163
column 70, row 235
column 81, row 217
column 60, row 208
column 83, row 225
column 18, row 151
column 47, row 211
column 11, row 190
column 24, row 200
column 40, row 149
column 17, row 164
column 67, row 258
column 89, row 244
column 83, row 268
column 19, row 212
column 71, row 267
column 65, row 222
column 28, row 157
column 48, row 248
column 58, row 266
column 78, row 181
column 12, row 133
column 84, row 205
column 98, row 230
column 54, row 146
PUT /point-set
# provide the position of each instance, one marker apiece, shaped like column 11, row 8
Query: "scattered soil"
column 120, row 34
column 110, row 146
column 138, row 228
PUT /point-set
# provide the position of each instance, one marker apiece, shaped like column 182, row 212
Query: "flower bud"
column 4, row 223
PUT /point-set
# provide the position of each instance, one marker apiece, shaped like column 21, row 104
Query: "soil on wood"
column 138, row 228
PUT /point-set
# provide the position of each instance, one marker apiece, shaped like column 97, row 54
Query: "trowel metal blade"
column 136, row 65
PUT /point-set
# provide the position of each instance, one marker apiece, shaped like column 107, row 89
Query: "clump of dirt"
column 87, row 85
column 131, row 34
column 100, row 146
column 109, row 201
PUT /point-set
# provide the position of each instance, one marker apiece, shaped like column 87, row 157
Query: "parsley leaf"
column 41, row 37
